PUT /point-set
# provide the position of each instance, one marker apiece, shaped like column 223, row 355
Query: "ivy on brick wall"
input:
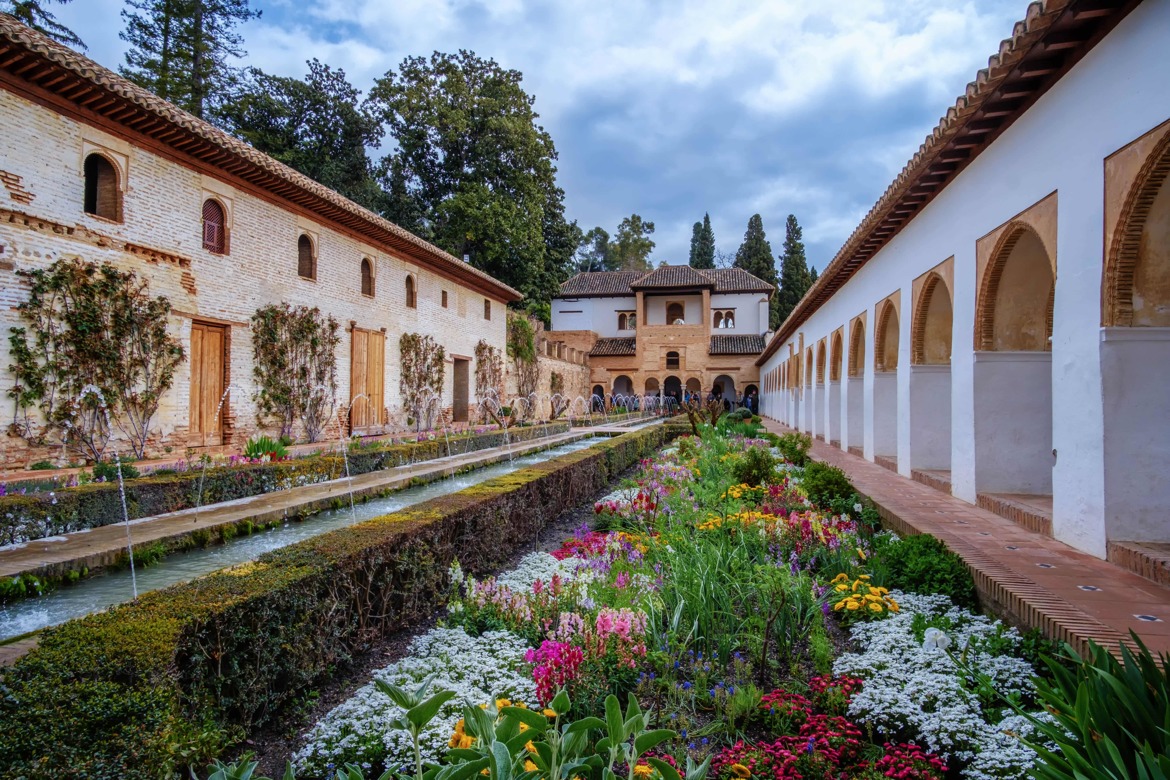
column 294, row 353
column 489, row 378
column 522, row 350
column 93, row 351
column 422, row 378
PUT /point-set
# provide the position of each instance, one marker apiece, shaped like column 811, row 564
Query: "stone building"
column 999, row 324
column 94, row 167
column 669, row 330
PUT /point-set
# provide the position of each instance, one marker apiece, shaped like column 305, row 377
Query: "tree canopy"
column 184, row 50
column 755, row 256
column 631, row 246
column 318, row 126
column 473, row 171
column 703, row 244
column 795, row 278
column 33, row 14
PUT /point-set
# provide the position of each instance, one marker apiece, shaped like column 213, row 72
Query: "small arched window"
column 411, row 297
column 621, row 321
column 214, row 227
column 487, row 309
column 367, row 277
column 672, row 360
column 675, row 314
column 444, row 299
column 718, row 320
column 306, row 260
column 102, row 196
column 729, row 320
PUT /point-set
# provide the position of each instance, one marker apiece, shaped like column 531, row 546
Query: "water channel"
column 107, row 589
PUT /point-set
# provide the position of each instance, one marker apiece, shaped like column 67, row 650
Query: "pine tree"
column 696, row 230
column 181, row 50
column 703, row 245
column 795, row 278
column 32, row 13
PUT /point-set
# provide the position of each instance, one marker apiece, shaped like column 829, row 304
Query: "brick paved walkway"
column 1034, row 579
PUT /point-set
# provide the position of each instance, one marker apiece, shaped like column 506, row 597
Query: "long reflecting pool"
column 107, row 589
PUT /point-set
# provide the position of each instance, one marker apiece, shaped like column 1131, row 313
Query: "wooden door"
column 208, row 363
column 366, row 378
column 462, row 391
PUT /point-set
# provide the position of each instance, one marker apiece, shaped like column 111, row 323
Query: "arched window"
column 306, row 261
column 102, row 197
column 367, row 277
column 672, row 360
column 444, row 299
column 487, row 309
column 411, row 297
column 729, row 319
column 675, row 314
column 621, row 321
column 718, row 320
column 214, row 228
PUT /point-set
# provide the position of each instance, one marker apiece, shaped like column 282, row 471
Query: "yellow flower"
column 840, row 605
column 863, row 577
column 893, row 606
column 643, row 770
column 530, row 747
column 548, row 713
column 875, row 607
column 841, row 577
column 842, row 588
column 503, row 703
column 529, row 766
column 861, row 553
column 852, row 605
column 466, row 741
column 741, row 771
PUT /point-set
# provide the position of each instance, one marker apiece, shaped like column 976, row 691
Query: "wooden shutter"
column 376, row 375
column 357, row 379
column 207, row 384
column 213, row 227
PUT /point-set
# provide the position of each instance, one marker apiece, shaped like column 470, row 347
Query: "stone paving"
column 1034, row 579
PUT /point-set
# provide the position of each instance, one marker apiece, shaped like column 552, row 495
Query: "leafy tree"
column 473, row 171
column 755, row 257
column 795, row 278
column 703, row 244
column 33, row 14
column 593, row 251
column 182, row 50
column 295, row 359
column 317, row 126
column 94, row 350
column 631, row 246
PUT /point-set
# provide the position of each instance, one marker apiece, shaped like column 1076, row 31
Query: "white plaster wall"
column 656, row 308
column 930, row 417
column 1013, row 422
column 885, row 413
column 1136, row 365
column 599, row 315
column 833, row 425
column 855, row 411
column 1114, row 95
column 747, row 312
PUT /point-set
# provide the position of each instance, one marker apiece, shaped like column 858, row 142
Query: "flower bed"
column 36, row 514
column 758, row 634
column 180, row 672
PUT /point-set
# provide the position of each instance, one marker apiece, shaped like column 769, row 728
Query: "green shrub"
column 794, row 447
column 147, row 687
column 1112, row 718
column 824, row 484
column 923, row 564
column 42, row 465
column 260, row 447
column 755, row 467
column 108, row 470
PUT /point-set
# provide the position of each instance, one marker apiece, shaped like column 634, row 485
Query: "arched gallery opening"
column 672, row 387
column 806, row 395
column 652, row 386
column 1012, row 374
column 820, row 396
column 885, row 380
column 855, row 389
column 622, row 386
column 930, row 375
column 1135, row 356
column 834, row 395
column 724, row 387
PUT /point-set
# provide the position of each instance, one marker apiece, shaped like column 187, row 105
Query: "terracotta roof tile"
column 736, row 345
column 231, row 151
column 619, row 347
column 619, row 283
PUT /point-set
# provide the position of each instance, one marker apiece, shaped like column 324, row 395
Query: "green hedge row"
column 141, row 690
column 37, row 515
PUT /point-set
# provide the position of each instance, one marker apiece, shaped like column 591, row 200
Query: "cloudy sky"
column 673, row 108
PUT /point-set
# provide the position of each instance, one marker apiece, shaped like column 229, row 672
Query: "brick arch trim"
column 879, row 341
column 918, row 335
column 835, row 358
column 821, row 362
column 989, row 289
column 1121, row 264
column 856, row 344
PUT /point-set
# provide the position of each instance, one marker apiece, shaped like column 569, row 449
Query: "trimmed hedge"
column 37, row 515
column 171, row 679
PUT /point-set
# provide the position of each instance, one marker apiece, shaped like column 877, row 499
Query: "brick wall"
column 160, row 238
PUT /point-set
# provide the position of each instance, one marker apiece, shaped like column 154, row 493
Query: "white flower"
column 934, row 639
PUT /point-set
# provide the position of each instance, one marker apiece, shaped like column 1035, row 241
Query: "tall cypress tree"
column 755, row 257
column 703, row 244
column 795, row 278
column 182, row 50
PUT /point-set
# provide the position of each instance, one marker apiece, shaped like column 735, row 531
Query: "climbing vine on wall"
column 489, row 377
column 522, row 350
column 295, row 364
column 91, row 334
column 422, row 377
